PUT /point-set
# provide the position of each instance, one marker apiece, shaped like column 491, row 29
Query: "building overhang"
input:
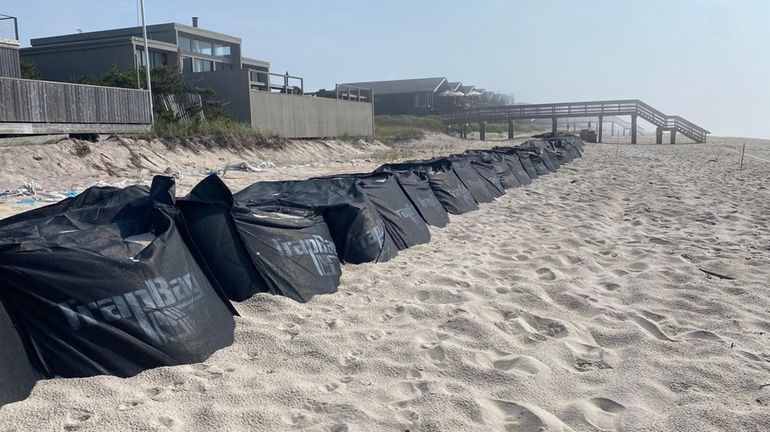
column 255, row 63
column 154, row 44
column 197, row 31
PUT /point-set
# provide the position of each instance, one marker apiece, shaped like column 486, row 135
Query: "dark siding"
column 401, row 104
column 67, row 64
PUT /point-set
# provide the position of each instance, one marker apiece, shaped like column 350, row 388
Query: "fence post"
column 743, row 151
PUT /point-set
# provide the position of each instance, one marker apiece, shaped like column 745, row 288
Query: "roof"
column 454, row 85
column 466, row 88
column 152, row 30
column 401, row 86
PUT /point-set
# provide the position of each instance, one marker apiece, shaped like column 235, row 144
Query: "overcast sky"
column 707, row 60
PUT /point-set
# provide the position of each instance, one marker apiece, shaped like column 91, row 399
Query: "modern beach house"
column 424, row 96
column 189, row 48
column 272, row 103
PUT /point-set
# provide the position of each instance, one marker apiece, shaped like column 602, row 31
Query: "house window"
column 202, row 47
column 224, row 66
column 185, row 44
column 221, row 50
column 200, row 65
column 156, row 58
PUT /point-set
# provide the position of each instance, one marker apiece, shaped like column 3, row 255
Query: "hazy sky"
column 707, row 60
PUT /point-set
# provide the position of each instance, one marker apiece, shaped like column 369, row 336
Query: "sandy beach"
column 626, row 292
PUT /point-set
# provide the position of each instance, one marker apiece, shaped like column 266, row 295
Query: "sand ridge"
column 577, row 303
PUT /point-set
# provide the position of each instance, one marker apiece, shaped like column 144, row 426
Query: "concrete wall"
column 294, row 116
column 9, row 60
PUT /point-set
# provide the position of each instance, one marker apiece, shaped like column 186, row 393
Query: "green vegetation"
column 216, row 128
column 221, row 132
column 389, row 128
column 165, row 79
column 29, row 70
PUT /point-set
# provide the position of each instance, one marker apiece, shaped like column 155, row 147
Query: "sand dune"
column 627, row 292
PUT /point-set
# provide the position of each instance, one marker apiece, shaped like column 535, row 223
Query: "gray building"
column 419, row 96
column 32, row 107
column 205, row 59
column 425, row 96
column 189, row 48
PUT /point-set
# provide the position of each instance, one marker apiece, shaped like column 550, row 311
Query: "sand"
column 628, row 291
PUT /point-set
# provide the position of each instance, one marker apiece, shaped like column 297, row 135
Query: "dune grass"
column 396, row 128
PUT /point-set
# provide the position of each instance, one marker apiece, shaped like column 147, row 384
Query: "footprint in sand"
column 651, row 328
column 703, row 335
column 589, row 357
column 352, row 364
column 164, row 423
column 605, row 414
column 422, row 296
column 437, row 354
column 546, row 274
column 546, row 326
column 334, row 324
column 340, row 428
column 330, row 387
column 77, row 419
column 638, row 266
column 609, row 286
column 130, row 405
column 512, row 416
column 520, row 364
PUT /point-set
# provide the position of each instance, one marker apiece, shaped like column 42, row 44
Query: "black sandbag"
column 475, row 184
column 551, row 160
column 539, row 153
column 109, row 289
column 450, row 191
column 259, row 249
column 567, row 142
column 524, row 159
column 17, row 376
column 443, row 180
column 417, row 188
column 529, row 166
column 488, row 173
column 517, row 169
column 505, row 175
column 356, row 226
column 104, row 196
column 404, row 224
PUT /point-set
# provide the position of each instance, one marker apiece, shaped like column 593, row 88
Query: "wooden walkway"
column 598, row 109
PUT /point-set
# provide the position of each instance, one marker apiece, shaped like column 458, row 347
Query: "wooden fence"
column 32, row 101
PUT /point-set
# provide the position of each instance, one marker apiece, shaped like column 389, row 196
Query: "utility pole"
column 147, row 61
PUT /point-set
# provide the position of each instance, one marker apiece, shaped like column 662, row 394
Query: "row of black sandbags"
column 117, row 281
